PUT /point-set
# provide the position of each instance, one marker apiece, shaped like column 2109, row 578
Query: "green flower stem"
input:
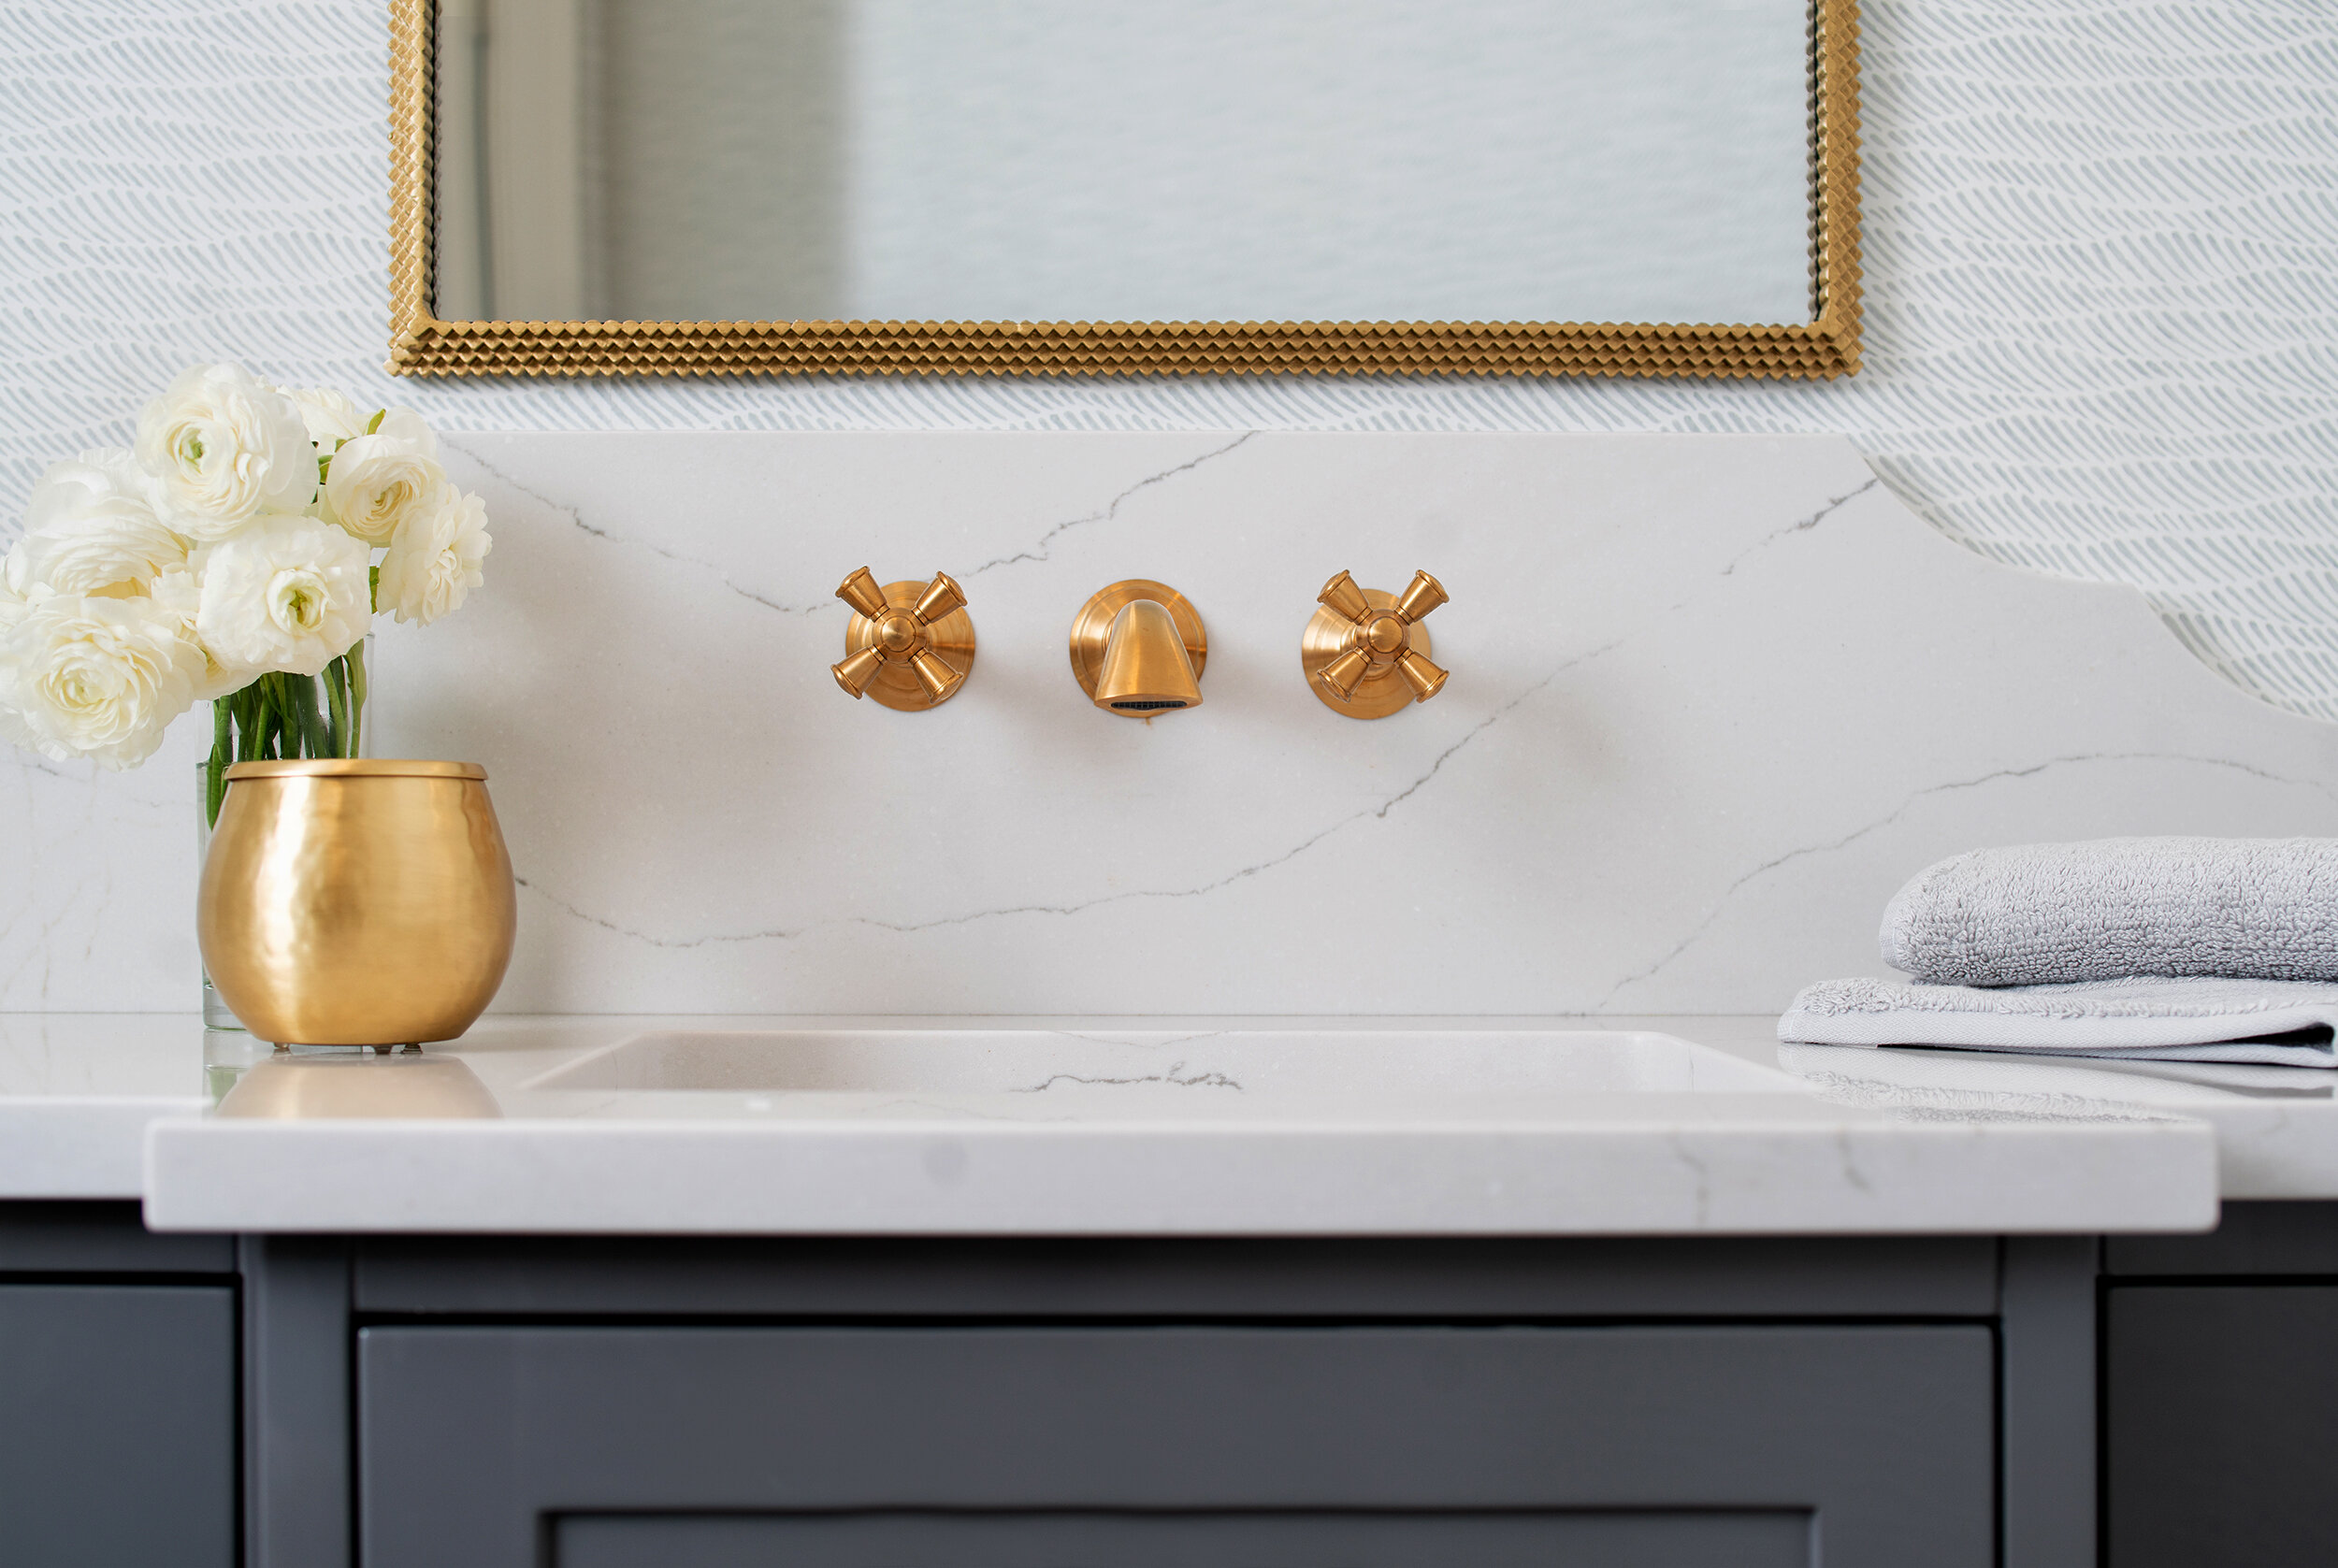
column 294, row 742
column 215, row 769
column 286, row 716
column 357, row 690
column 336, row 709
column 251, row 728
column 301, row 690
column 263, row 717
column 283, row 730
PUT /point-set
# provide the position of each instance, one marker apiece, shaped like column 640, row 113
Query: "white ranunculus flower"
column 178, row 594
column 404, row 425
column 12, row 603
column 90, row 528
column 378, row 482
column 435, row 557
column 224, row 447
column 16, row 574
column 331, row 417
column 284, row 592
column 95, row 677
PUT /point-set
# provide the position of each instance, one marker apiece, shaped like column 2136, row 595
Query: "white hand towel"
column 2045, row 914
column 2280, row 1023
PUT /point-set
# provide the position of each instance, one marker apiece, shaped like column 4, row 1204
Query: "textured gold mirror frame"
column 1827, row 346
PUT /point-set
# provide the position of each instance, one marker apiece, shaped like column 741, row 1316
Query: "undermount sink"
column 1194, row 1070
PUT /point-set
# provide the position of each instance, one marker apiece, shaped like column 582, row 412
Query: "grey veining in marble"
column 1714, row 698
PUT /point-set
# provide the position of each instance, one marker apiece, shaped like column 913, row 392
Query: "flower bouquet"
column 237, row 554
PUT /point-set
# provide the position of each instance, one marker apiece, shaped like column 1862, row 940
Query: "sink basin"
column 1202, row 1072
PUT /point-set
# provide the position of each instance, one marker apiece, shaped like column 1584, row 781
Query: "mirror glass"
column 1122, row 159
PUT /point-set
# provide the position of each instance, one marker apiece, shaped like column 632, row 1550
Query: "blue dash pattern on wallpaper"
column 2101, row 252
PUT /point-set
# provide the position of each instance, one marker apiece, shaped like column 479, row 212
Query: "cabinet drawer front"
column 117, row 1426
column 2220, row 1419
column 477, row 1444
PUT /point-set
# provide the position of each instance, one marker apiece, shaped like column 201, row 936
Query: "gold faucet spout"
column 1138, row 648
column 1146, row 669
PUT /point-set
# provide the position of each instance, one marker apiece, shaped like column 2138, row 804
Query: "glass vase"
column 216, row 1013
column 278, row 717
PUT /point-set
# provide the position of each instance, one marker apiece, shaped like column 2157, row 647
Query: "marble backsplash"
column 1712, row 699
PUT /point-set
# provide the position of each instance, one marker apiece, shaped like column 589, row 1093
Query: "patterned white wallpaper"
column 2102, row 287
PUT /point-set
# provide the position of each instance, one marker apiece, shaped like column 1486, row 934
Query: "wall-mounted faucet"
column 1138, row 648
column 1366, row 653
column 911, row 645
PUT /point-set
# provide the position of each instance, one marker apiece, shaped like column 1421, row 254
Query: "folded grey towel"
column 2045, row 914
column 2282, row 1023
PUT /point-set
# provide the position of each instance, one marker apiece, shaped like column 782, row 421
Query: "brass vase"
column 354, row 901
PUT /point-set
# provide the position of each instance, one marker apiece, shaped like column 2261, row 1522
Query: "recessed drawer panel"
column 1527, row 1539
column 487, row 1445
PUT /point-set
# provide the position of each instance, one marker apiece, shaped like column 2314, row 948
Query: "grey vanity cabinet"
column 117, row 1391
column 600, row 1401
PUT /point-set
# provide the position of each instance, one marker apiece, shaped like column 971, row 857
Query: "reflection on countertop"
column 358, row 1083
column 1942, row 1078
column 2276, row 1126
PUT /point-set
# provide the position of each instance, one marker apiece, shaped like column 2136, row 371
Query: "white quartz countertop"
column 78, row 1091
column 1135, row 1127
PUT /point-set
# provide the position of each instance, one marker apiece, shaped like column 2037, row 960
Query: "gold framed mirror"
column 432, row 204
